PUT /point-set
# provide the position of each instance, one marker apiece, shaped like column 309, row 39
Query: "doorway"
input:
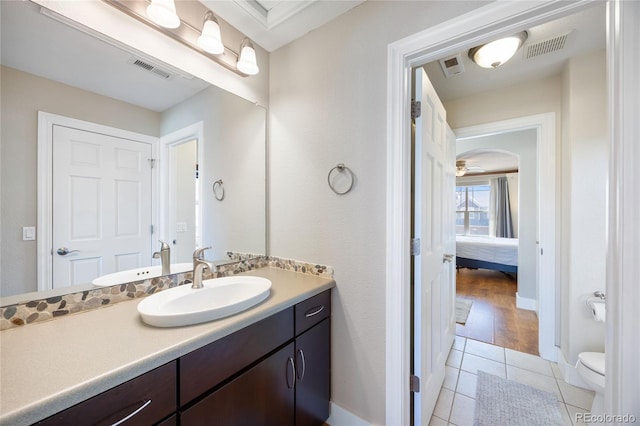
column 404, row 54
column 181, row 195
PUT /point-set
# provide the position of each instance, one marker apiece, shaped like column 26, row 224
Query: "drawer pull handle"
column 146, row 403
column 293, row 373
column 304, row 364
column 314, row 311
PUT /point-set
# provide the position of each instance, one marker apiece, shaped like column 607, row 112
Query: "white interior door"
column 101, row 205
column 434, row 279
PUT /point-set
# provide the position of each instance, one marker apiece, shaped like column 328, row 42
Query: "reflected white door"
column 434, row 225
column 101, row 205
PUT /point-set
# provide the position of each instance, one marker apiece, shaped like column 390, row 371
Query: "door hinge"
column 197, row 172
column 152, row 162
column 151, row 228
column 416, row 109
column 414, row 383
column 415, row 246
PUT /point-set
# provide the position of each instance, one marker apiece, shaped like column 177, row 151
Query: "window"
column 472, row 209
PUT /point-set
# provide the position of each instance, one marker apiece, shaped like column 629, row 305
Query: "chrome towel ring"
column 341, row 168
column 218, row 190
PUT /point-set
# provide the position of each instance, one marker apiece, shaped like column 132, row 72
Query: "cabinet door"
column 264, row 395
column 313, row 370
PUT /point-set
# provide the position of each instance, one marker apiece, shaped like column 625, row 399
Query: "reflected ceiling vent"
column 153, row 69
column 452, row 65
column 543, row 47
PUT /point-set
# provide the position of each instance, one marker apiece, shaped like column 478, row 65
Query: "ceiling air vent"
column 452, row 65
column 543, row 47
column 154, row 69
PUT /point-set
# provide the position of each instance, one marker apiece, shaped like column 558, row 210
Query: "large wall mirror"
column 185, row 133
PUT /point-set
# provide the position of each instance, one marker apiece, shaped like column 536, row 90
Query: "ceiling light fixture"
column 210, row 40
column 497, row 52
column 163, row 13
column 247, row 60
column 461, row 168
column 207, row 41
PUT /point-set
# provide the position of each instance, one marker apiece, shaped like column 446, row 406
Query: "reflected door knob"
column 63, row 251
column 447, row 258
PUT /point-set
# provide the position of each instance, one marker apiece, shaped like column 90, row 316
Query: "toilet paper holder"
column 599, row 299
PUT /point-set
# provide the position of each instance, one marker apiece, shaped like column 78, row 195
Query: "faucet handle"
column 199, row 253
column 164, row 245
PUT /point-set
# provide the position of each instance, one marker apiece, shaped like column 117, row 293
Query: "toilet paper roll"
column 598, row 310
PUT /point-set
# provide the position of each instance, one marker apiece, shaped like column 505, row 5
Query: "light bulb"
column 210, row 40
column 247, row 61
column 163, row 13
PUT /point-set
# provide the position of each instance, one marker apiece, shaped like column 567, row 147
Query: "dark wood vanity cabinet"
column 148, row 399
column 274, row 372
column 291, row 385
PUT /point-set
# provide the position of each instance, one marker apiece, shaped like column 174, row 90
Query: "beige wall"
column 23, row 95
column 234, row 151
column 584, row 176
column 328, row 105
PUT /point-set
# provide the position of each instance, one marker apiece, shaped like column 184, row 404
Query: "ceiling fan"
column 462, row 169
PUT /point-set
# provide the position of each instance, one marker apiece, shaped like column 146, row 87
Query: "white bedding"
column 488, row 249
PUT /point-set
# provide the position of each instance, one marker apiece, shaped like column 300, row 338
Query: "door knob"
column 63, row 251
column 447, row 258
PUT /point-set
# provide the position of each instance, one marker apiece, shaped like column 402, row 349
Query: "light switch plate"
column 28, row 233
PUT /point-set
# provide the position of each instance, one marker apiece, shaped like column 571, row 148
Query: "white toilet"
column 590, row 366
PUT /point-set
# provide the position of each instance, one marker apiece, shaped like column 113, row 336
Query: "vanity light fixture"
column 163, row 13
column 497, row 52
column 210, row 40
column 207, row 41
column 247, row 60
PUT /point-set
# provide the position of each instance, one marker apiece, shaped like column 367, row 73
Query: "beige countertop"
column 47, row 367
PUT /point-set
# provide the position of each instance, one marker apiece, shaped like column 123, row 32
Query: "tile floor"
column 456, row 402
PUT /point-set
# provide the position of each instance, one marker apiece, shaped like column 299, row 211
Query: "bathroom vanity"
column 267, row 365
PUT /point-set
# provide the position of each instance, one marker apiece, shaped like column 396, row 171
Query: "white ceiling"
column 274, row 23
column 40, row 45
column 586, row 33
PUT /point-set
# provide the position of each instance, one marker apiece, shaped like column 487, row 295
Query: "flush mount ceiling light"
column 247, row 60
column 163, row 13
column 496, row 53
column 210, row 40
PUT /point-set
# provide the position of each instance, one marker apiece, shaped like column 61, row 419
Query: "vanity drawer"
column 205, row 368
column 151, row 396
column 313, row 310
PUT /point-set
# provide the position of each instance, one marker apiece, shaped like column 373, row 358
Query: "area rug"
column 505, row 402
column 463, row 306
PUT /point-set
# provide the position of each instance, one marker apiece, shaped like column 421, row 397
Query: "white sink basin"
column 220, row 297
column 139, row 274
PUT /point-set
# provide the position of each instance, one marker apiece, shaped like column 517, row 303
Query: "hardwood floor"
column 494, row 317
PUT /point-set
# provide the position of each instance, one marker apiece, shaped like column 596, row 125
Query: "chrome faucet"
column 165, row 257
column 199, row 265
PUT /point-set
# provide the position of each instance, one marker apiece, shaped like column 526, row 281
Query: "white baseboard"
column 570, row 372
column 526, row 303
column 341, row 417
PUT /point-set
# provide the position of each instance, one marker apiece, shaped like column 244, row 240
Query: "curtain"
column 501, row 208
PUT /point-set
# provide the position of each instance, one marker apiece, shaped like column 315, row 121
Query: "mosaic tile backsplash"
column 54, row 307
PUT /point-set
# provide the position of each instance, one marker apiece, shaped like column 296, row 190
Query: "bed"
column 499, row 254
